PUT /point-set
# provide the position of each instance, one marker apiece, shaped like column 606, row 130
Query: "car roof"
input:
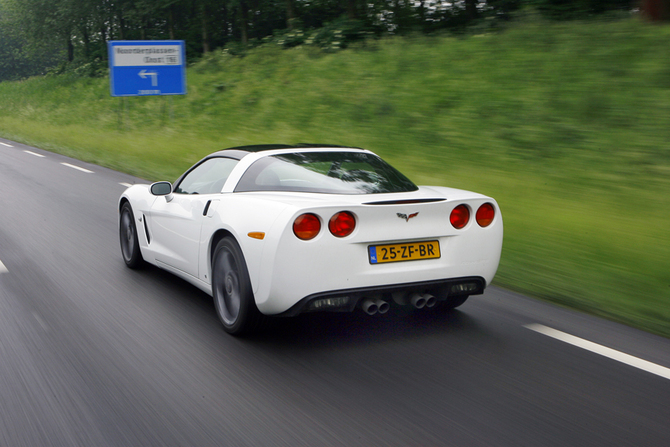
column 239, row 152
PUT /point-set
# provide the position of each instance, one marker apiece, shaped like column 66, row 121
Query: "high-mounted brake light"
column 485, row 215
column 342, row 224
column 460, row 217
column 306, row 226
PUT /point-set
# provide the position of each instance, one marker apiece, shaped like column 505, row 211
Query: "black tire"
column 130, row 245
column 453, row 302
column 231, row 289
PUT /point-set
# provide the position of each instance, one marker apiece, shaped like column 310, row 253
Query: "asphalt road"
column 94, row 354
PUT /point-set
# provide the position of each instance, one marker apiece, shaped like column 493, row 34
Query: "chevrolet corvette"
column 279, row 230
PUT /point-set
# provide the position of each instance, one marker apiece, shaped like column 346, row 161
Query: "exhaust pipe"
column 417, row 300
column 382, row 306
column 370, row 307
column 431, row 301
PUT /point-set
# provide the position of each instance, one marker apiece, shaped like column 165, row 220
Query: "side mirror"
column 161, row 188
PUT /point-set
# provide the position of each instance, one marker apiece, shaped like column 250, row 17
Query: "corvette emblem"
column 406, row 217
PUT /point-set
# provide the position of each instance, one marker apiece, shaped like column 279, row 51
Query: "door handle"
column 204, row 213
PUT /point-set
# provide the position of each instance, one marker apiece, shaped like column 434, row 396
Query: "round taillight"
column 342, row 224
column 306, row 226
column 460, row 217
column 485, row 215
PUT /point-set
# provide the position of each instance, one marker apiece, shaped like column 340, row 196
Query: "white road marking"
column 602, row 350
column 5, row 144
column 77, row 168
column 3, row 269
column 35, row 154
column 127, row 185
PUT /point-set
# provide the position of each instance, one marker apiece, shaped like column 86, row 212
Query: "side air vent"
column 404, row 202
column 146, row 228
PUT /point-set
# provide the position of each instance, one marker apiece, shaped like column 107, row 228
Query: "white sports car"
column 280, row 230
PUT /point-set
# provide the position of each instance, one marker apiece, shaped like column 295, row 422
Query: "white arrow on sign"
column 154, row 77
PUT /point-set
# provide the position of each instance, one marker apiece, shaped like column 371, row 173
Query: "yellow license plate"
column 403, row 252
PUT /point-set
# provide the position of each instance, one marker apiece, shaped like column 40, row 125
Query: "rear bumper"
column 347, row 300
column 291, row 272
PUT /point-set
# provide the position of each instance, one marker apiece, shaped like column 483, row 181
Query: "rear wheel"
column 231, row 289
column 130, row 245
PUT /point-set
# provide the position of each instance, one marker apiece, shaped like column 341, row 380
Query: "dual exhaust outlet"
column 421, row 300
column 372, row 306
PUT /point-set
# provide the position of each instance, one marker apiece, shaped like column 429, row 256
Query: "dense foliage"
column 39, row 34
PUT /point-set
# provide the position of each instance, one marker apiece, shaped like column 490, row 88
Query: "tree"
column 471, row 11
column 575, row 9
column 655, row 10
column 80, row 29
column 18, row 59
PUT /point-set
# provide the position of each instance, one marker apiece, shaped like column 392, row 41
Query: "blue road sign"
column 147, row 67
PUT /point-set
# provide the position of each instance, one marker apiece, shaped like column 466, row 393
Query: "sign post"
column 147, row 67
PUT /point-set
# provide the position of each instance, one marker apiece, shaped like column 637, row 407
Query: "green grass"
column 567, row 125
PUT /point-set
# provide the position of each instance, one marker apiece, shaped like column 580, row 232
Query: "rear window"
column 324, row 172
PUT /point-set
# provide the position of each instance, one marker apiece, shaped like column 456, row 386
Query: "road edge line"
column 601, row 350
column 77, row 168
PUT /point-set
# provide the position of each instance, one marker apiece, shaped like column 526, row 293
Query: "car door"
column 176, row 219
